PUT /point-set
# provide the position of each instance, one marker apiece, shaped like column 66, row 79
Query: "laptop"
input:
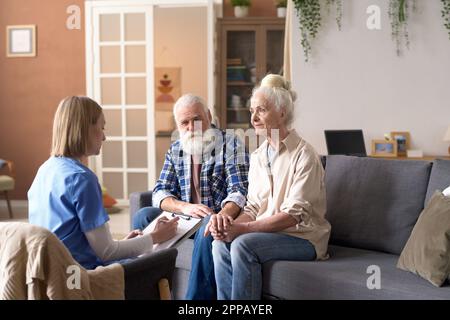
column 346, row 142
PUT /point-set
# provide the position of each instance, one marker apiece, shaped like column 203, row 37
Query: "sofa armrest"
column 143, row 274
column 139, row 200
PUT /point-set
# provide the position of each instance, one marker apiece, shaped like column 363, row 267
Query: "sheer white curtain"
column 287, row 41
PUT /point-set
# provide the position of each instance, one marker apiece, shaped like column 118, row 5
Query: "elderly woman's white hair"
column 186, row 100
column 277, row 91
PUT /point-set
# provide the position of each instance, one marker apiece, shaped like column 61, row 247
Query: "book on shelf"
column 187, row 226
column 234, row 61
column 237, row 73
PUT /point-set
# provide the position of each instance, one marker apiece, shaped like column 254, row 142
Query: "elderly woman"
column 284, row 215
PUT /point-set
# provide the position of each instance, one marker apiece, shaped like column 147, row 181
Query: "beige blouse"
column 293, row 184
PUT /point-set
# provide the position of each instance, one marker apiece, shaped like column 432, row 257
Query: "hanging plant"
column 308, row 13
column 399, row 14
column 338, row 7
column 446, row 14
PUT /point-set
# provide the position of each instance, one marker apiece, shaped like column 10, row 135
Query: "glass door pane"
column 274, row 51
column 240, row 77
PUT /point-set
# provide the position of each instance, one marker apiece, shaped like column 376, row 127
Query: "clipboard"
column 187, row 226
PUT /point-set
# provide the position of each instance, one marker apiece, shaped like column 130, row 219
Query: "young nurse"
column 66, row 198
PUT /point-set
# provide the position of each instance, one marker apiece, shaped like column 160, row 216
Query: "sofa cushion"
column 427, row 251
column 439, row 178
column 345, row 276
column 374, row 203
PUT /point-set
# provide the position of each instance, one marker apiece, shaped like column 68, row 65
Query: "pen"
column 182, row 215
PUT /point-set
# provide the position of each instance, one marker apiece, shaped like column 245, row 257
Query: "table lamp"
column 447, row 138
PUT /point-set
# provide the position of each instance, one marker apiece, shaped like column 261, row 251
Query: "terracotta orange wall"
column 258, row 8
column 30, row 88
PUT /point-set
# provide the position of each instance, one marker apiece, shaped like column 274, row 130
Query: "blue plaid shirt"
column 223, row 175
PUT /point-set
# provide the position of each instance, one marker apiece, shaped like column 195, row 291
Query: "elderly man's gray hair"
column 186, row 100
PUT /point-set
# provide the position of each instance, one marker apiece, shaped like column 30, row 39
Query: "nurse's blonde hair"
column 71, row 124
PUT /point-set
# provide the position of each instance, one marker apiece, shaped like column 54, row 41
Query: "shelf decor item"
column 281, row 8
column 447, row 138
column 383, row 148
column 403, row 142
column 241, row 8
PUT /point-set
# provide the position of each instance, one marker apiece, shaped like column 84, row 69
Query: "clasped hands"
column 222, row 228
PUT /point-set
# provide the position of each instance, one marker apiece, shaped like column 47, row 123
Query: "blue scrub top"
column 66, row 198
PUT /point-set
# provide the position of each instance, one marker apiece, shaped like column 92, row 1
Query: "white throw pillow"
column 446, row 192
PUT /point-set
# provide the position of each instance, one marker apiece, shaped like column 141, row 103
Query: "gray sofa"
column 373, row 205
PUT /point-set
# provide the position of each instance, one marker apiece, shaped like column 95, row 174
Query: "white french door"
column 120, row 76
column 120, row 65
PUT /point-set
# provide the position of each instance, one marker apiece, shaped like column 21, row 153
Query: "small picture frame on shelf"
column 384, row 148
column 403, row 139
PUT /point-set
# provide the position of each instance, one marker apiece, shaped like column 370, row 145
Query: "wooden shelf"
column 237, row 109
column 240, row 84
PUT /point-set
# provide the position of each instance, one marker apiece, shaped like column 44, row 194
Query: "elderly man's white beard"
column 197, row 143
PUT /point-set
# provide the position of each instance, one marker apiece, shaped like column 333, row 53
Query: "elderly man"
column 204, row 175
column 284, row 218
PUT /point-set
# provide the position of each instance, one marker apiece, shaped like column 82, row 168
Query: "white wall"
column 355, row 80
column 180, row 41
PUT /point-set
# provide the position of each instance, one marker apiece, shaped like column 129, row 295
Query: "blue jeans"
column 237, row 265
column 202, row 283
column 144, row 216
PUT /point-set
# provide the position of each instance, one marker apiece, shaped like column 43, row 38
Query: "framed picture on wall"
column 384, row 148
column 21, row 41
column 403, row 141
column 167, row 87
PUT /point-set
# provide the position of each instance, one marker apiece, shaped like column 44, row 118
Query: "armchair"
column 150, row 277
column 34, row 253
column 7, row 182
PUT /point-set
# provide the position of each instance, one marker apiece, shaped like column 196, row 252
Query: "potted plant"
column 281, row 8
column 240, row 8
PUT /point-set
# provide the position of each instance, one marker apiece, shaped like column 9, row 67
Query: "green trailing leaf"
column 280, row 3
column 308, row 13
column 398, row 14
column 240, row 3
column 338, row 7
column 446, row 15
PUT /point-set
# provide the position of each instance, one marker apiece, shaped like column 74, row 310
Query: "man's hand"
column 196, row 210
column 218, row 224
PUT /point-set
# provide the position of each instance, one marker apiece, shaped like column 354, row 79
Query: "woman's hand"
column 231, row 233
column 165, row 229
column 217, row 225
column 133, row 234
